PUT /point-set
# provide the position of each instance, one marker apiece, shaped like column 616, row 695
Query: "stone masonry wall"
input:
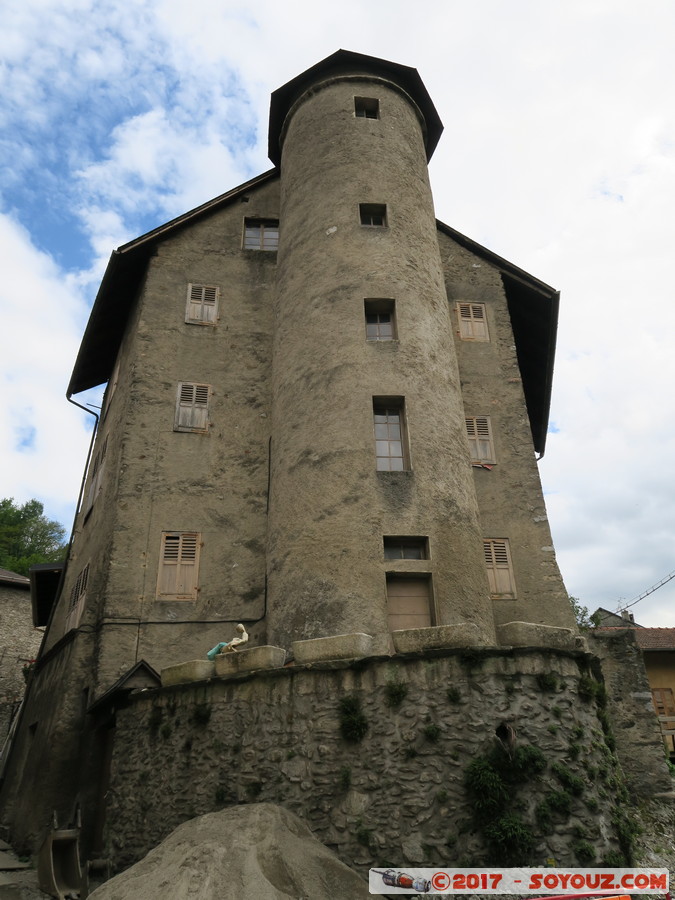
column 20, row 645
column 395, row 797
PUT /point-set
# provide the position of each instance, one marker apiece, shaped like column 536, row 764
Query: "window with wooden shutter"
column 499, row 569
column 192, row 407
column 408, row 602
column 472, row 322
column 78, row 597
column 479, row 432
column 202, row 304
column 179, row 565
column 110, row 389
column 96, row 478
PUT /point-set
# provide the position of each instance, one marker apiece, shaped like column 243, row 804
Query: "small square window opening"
column 366, row 107
column 373, row 214
column 405, row 548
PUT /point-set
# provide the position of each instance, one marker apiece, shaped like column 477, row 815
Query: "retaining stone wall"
column 396, row 797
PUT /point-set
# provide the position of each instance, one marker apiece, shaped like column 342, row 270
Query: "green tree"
column 28, row 537
column 585, row 620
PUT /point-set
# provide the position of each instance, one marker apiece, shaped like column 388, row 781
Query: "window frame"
column 364, row 107
column 187, row 555
column 196, row 420
column 474, row 326
column 481, row 443
column 373, row 211
column 393, row 543
column 380, row 306
column 499, row 566
column 260, row 224
column 202, row 310
column 385, row 407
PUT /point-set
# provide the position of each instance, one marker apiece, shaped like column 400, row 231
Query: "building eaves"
column 533, row 308
column 14, row 579
column 120, row 285
column 344, row 63
column 656, row 638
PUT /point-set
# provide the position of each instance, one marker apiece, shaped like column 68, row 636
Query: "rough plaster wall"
column 20, row 645
column 329, row 507
column 44, row 777
column 639, row 743
column 510, row 496
column 276, row 737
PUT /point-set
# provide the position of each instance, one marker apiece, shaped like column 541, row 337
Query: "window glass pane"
column 396, row 464
column 382, row 432
column 382, row 464
column 395, row 448
column 382, row 448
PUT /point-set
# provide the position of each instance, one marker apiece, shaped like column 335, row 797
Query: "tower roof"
column 345, row 62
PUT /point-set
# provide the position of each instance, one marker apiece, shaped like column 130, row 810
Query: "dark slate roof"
column 344, row 62
column 14, row 579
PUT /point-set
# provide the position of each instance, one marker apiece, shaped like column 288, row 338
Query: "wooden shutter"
column 179, row 566
column 499, row 569
column 408, row 603
column 479, row 432
column 202, row 304
column 472, row 322
column 78, row 597
column 192, row 407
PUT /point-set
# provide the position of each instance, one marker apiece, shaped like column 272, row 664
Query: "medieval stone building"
column 322, row 412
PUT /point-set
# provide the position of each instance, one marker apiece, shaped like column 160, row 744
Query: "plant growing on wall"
column 353, row 723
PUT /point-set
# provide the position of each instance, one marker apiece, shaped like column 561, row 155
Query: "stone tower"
column 353, row 136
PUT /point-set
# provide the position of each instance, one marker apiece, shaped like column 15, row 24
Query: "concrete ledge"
column 266, row 657
column 528, row 634
column 338, row 646
column 464, row 634
column 193, row 670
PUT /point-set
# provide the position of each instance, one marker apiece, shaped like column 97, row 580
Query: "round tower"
column 373, row 519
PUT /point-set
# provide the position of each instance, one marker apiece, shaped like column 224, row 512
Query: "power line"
column 646, row 593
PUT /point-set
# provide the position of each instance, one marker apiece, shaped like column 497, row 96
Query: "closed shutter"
column 192, row 407
column 479, row 432
column 202, row 304
column 408, row 603
column 472, row 322
column 78, row 598
column 179, row 566
column 499, row 569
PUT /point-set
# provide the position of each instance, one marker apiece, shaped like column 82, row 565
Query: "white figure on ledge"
column 229, row 646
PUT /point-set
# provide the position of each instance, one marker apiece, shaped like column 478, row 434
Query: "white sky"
column 558, row 154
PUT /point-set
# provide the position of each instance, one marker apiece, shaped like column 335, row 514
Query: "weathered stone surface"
column 259, row 850
column 338, row 646
column 266, row 657
column 527, row 634
column 192, row 670
column 464, row 634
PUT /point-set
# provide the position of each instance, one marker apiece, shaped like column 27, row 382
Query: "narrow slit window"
column 390, row 438
column 192, row 407
column 373, row 215
column 78, row 598
column 366, row 107
column 202, row 304
column 261, row 234
column 499, row 569
column 380, row 320
column 479, row 432
column 472, row 322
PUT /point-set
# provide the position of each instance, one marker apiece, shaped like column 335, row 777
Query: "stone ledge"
column 266, row 657
column 464, row 634
column 529, row 634
column 192, row 670
column 338, row 646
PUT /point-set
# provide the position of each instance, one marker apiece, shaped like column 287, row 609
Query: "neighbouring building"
column 322, row 415
column 19, row 645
